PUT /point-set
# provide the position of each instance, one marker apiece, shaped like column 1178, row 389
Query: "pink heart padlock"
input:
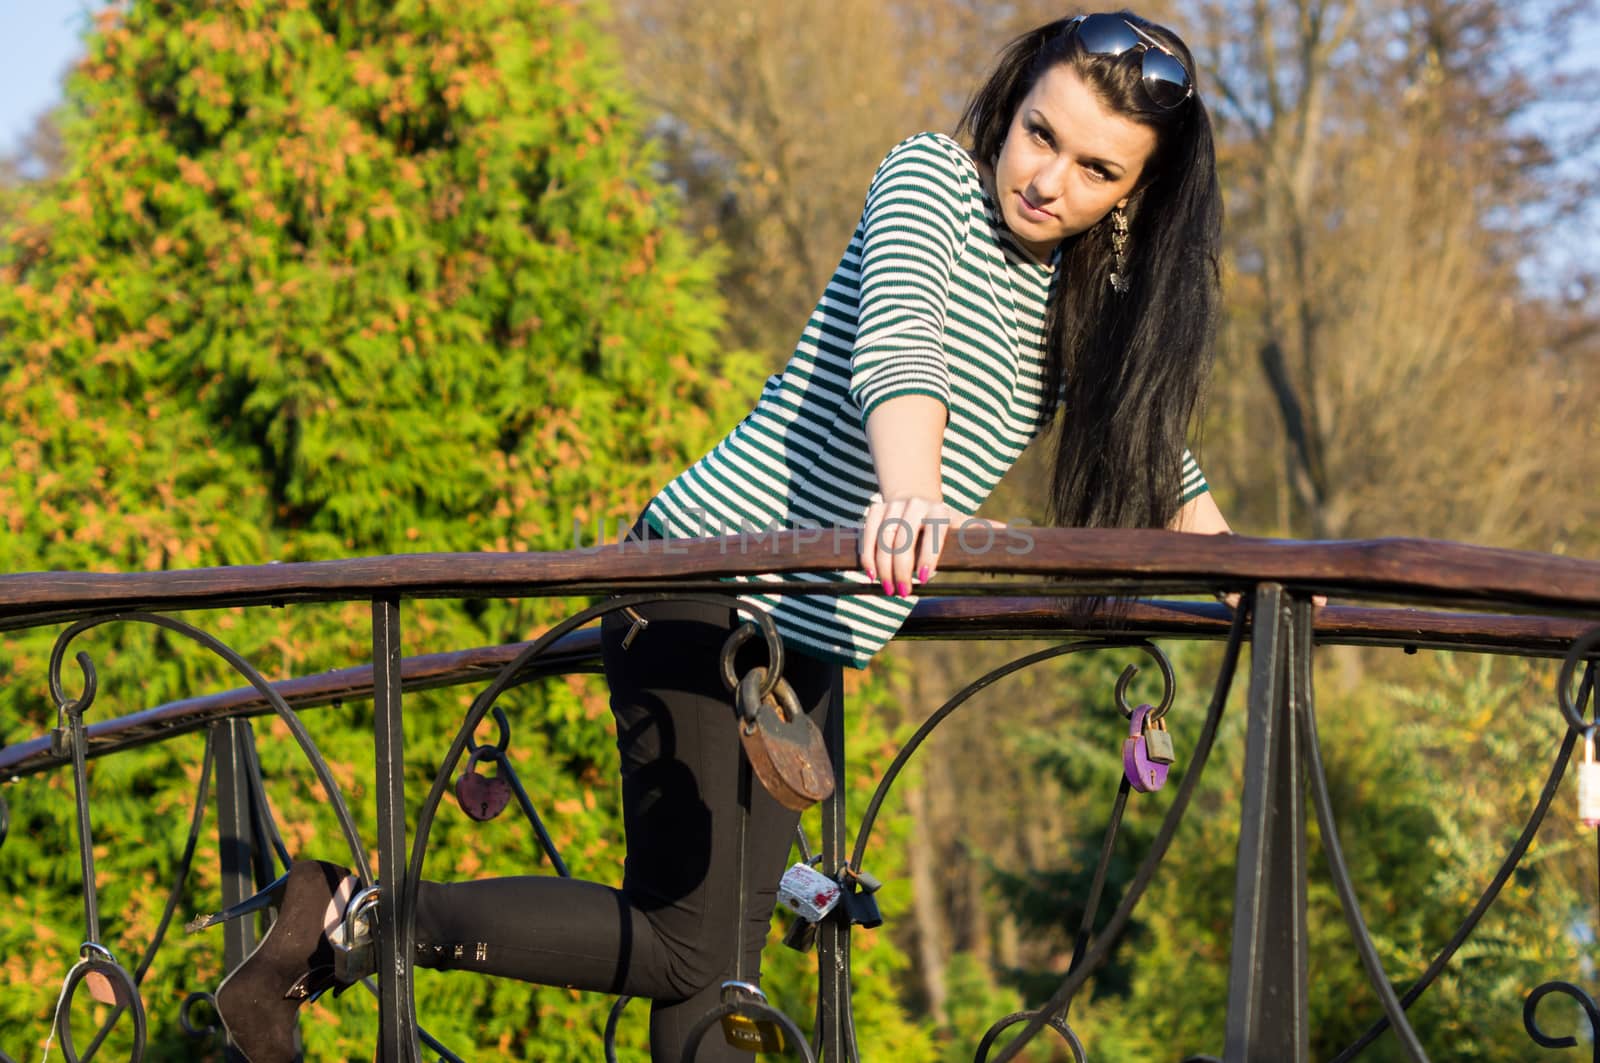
column 479, row 797
column 1144, row 774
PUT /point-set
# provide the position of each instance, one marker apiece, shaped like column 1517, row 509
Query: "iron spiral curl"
column 237, row 662
column 1591, row 1011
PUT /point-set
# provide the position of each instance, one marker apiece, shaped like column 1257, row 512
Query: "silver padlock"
column 1589, row 783
column 1158, row 742
column 807, row 892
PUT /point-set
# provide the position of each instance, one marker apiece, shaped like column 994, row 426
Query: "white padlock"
column 809, row 893
column 1589, row 783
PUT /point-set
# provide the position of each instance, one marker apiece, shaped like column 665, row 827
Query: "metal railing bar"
column 943, row 618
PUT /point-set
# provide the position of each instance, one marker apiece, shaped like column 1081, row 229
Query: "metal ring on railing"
column 1055, row 1022
column 741, row 635
column 754, row 1009
column 105, row 965
column 1168, row 689
column 502, row 740
column 1587, row 645
column 91, row 682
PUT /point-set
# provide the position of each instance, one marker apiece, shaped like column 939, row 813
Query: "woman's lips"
column 1032, row 212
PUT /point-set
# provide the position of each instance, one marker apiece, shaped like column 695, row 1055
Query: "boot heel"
column 267, row 898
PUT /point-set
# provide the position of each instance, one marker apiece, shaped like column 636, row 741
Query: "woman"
column 1067, row 261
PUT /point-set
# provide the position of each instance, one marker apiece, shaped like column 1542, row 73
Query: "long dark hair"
column 1134, row 365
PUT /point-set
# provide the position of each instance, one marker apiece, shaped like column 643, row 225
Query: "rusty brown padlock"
column 480, row 797
column 785, row 748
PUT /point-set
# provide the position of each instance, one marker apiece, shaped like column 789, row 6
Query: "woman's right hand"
column 902, row 539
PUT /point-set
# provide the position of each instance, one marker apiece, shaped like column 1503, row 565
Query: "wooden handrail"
column 1061, row 560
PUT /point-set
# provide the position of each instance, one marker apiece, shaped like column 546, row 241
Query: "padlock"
column 1142, row 773
column 747, row 1030
column 784, row 747
column 353, row 941
column 1589, row 783
column 807, row 892
column 801, row 935
column 480, row 797
column 1158, row 741
column 861, row 907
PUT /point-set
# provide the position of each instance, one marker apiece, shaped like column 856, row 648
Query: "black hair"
column 1133, row 366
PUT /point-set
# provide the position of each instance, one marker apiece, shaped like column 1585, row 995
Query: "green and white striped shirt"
column 932, row 297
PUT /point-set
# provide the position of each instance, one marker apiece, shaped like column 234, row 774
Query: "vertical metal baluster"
column 1267, row 980
column 833, row 935
column 236, row 834
column 397, row 1021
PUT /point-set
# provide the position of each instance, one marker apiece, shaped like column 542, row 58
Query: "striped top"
column 932, row 297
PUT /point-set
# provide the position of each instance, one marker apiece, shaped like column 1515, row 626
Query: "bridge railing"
column 1463, row 597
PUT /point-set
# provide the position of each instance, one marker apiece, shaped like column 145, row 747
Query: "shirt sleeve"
column 1193, row 483
column 911, row 235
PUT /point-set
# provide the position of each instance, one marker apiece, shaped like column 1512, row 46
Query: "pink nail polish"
column 922, row 574
column 905, row 590
column 887, row 589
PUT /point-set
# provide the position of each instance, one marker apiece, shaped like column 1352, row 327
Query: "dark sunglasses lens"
column 1106, row 35
column 1165, row 79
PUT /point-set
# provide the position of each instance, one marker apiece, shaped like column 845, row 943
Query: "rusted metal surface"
column 784, row 747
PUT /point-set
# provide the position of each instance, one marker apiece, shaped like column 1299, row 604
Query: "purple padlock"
column 1144, row 774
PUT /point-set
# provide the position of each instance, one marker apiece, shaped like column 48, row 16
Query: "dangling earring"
column 1119, row 251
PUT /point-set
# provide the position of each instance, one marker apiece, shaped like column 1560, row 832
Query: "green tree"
column 319, row 279
column 1420, row 846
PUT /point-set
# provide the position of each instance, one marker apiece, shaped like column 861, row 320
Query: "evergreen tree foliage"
column 322, row 278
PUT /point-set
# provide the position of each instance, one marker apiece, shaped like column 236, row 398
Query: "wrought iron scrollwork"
column 108, row 981
column 1112, row 931
column 1592, row 1012
column 795, row 1040
column 335, row 797
column 613, row 1018
column 1508, row 866
column 1055, row 1022
column 210, row 1031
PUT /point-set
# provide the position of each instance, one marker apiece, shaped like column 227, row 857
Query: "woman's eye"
column 1038, row 136
column 1097, row 173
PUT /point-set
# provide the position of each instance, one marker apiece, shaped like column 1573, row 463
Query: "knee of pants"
column 693, row 966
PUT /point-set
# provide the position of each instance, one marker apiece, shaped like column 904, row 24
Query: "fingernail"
column 887, row 589
column 922, row 574
column 871, row 575
column 905, row 589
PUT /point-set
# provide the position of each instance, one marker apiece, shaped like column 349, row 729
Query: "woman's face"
column 1066, row 161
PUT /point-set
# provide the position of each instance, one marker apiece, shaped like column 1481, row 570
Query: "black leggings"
column 668, row 933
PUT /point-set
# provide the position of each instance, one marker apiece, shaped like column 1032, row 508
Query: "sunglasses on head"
column 1165, row 80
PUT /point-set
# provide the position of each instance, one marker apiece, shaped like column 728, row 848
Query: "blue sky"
column 38, row 40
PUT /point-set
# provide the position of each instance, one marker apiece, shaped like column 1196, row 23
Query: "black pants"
column 669, row 933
